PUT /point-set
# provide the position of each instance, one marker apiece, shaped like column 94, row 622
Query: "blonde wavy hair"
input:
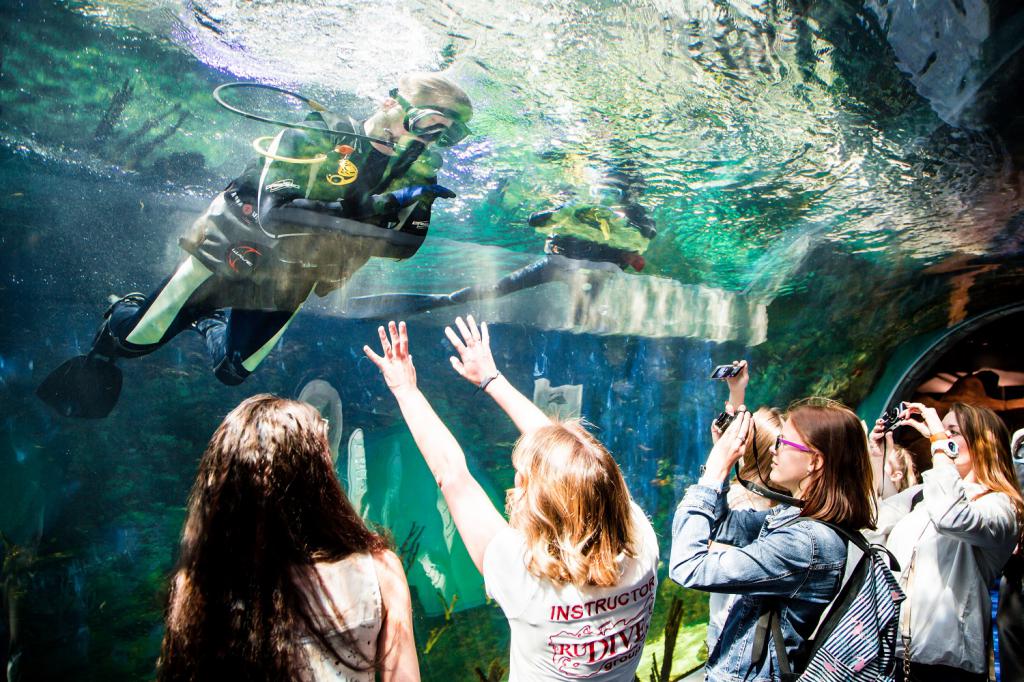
column 572, row 505
column 426, row 89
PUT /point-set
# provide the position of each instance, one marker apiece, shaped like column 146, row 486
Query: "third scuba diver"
column 301, row 219
column 606, row 233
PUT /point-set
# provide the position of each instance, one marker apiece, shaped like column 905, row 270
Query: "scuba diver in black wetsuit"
column 301, row 219
column 605, row 234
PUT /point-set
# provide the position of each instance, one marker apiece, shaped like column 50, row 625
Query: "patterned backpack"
column 856, row 636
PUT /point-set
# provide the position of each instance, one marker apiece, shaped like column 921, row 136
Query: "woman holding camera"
column 952, row 534
column 821, row 458
column 575, row 566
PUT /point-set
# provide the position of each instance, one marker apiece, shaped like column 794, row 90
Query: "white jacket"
column 961, row 542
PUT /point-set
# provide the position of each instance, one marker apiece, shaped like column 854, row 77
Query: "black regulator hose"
column 312, row 104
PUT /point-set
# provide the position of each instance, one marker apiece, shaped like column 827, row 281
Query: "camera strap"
column 761, row 490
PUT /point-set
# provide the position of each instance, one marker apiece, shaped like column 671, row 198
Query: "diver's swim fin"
column 86, row 386
column 383, row 305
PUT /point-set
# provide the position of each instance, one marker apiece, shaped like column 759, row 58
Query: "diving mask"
column 606, row 194
column 444, row 135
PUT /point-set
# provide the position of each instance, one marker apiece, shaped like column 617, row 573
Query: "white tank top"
column 352, row 585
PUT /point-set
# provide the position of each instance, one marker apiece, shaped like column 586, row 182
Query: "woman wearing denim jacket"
column 821, row 458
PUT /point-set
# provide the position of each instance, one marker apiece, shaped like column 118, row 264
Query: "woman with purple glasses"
column 821, row 458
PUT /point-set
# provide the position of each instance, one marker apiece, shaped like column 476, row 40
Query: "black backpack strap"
column 761, row 631
column 786, row 673
column 855, row 537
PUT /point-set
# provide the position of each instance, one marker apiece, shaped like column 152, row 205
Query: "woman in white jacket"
column 951, row 535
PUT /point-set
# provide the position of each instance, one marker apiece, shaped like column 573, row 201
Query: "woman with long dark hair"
column 279, row 578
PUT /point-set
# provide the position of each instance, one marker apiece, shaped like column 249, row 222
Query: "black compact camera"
column 723, row 420
column 891, row 417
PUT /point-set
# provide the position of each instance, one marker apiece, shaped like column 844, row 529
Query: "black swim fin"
column 385, row 305
column 86, row 387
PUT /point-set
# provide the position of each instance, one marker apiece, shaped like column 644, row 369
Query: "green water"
column 828, row 180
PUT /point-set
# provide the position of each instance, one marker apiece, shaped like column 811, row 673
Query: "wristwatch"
column 945, row 446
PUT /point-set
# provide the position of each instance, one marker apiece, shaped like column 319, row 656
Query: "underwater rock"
column 392, row 504
column 325, row 399
column 950, row 51
column 560, row 402
column 179, row 165
column 357, row 471
column 586, row 301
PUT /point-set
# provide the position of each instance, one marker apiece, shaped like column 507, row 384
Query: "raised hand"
column 475, row 362
column 875, row 438
column 932, row 423
column 738, row 383
column 396, row 362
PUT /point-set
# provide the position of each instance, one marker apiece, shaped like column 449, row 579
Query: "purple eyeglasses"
column 780, row 441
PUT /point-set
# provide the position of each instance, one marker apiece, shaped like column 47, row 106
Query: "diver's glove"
column 400, row 198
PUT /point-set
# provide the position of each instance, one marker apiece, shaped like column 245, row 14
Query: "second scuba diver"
column 305, row 214
column 601, row 234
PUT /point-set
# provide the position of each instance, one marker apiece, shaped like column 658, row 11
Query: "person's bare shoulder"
column 389, row 568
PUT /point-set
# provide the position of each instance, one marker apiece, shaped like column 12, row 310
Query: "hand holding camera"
column 890, row 419
column 730, row 446
column 924, row 419
column 722, row 422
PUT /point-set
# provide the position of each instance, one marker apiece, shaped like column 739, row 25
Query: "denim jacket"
column 797, row 569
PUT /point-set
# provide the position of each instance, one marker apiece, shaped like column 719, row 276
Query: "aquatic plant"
column 675, row 615
column 410, row 547
column 495, row 671
column 435, row 633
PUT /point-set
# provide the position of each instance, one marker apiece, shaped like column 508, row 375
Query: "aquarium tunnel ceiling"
column 828, row 179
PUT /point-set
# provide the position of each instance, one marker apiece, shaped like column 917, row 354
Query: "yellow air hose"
column 313, row 162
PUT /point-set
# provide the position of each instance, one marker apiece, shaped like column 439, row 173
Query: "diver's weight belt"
column 323, row 223
column 232, row 244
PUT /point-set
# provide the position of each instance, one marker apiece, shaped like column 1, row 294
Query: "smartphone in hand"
column 726, row 371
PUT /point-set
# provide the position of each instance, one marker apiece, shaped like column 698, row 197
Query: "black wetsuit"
column 278, row 232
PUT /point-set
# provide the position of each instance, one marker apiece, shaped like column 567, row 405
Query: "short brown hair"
column 840, row 491
column 573, row 506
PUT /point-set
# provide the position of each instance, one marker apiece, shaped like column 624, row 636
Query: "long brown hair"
column 989, row 442
column 266, row 505
column 572, row 506
column 840, row 490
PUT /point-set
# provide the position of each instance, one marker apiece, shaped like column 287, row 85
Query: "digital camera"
column 891, row 417
column 723, row 420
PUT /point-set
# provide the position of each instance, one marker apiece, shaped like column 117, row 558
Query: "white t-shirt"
column 561, row 632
